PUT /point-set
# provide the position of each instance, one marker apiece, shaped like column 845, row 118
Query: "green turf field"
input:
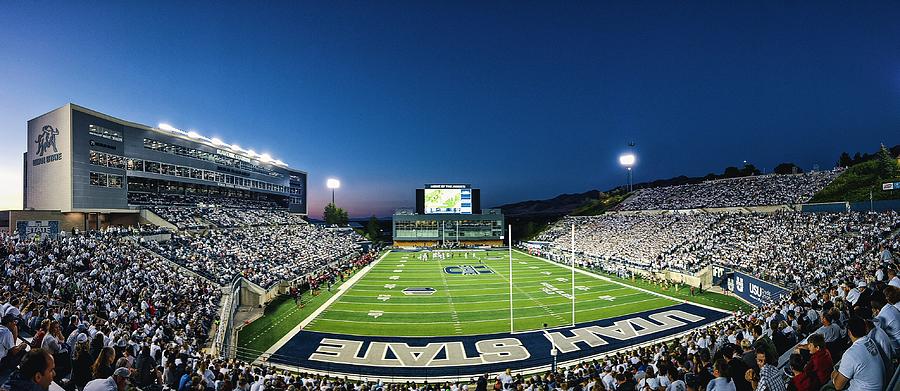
column 474, row 304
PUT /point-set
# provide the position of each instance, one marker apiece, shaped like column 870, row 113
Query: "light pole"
column 332, row 184
column 627, row 160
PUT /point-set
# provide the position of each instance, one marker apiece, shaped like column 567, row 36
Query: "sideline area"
column 340, row 291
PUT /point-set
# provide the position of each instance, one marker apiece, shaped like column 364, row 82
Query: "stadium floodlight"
column 168, row 127
column 266, row 157
column 216, row 141
column 235, row 147
column 193, row 134
column 332, row 184
column 627, row 160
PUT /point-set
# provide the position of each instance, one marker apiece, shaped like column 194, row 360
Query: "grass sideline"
column 280, row 317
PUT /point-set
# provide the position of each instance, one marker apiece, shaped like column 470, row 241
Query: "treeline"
column 846, row 161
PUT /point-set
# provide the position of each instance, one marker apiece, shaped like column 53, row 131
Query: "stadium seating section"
column 83, row 295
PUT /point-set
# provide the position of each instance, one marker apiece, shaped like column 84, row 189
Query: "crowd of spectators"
column 636, row 239
column 197, row 211
column 759, row 190
column 187, row 218
column 163, row 199
column 87, row 298
column 99, row 310
column 264, row 255
column 791, row 248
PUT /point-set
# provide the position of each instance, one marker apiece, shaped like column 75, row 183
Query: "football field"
column 467, row 293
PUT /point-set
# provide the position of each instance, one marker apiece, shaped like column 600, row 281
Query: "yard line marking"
column 491, row 320
column 549, row 311
column 453, row 315
column 468, row 302
column 455, row 312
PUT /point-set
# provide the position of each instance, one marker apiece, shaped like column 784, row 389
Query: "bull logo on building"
column 47, row 139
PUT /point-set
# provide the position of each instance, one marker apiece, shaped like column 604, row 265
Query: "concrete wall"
column 48, row 165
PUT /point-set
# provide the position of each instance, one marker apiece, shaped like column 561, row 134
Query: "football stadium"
column 394, row 208
column 231, row 275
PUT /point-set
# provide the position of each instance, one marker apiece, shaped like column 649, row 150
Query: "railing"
column 894, row 385
column 224, row 333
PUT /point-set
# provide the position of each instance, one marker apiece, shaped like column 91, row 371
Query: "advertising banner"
column 754, row 290
column 31, row 228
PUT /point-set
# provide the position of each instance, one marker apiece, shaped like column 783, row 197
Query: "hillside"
column 529, row 218
column 557, row 206
column 858, row 182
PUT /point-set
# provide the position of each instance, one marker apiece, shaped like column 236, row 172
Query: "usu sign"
column 755, row 291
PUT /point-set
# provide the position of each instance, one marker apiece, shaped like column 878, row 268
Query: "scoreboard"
column 445, row 198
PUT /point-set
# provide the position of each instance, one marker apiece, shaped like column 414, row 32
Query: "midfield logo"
column 468, row 269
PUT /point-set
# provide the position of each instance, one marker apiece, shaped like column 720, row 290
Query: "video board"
column 448, row 199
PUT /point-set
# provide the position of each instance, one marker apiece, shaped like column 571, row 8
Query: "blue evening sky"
column 525, row 100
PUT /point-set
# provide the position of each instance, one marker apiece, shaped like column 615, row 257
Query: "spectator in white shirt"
column 861, row 367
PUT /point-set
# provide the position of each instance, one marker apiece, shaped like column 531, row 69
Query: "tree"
column 789, row 168
column 372, row 228
column 749, row 169
column 335, row 215
column 845, row 160
column 732, row 172
column 887, row 165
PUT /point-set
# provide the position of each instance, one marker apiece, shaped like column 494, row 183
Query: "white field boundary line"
column 604, row 278
column 340, row 292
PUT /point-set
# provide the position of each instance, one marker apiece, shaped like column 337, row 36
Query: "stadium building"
column 448, row 214
column 89, row 170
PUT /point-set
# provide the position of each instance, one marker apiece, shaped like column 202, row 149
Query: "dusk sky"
column 525, row 100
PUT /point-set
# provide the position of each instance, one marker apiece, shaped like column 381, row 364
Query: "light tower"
column 332, row 184
column 627, row 160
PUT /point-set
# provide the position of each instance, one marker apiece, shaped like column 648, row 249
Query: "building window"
column 183, row 172
column 98, row 179
column 106, row 160
column 152, row 167
column 99, row 131
column 95, row 158
column 115, row 161
column 115, row 181
column 135, row 165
